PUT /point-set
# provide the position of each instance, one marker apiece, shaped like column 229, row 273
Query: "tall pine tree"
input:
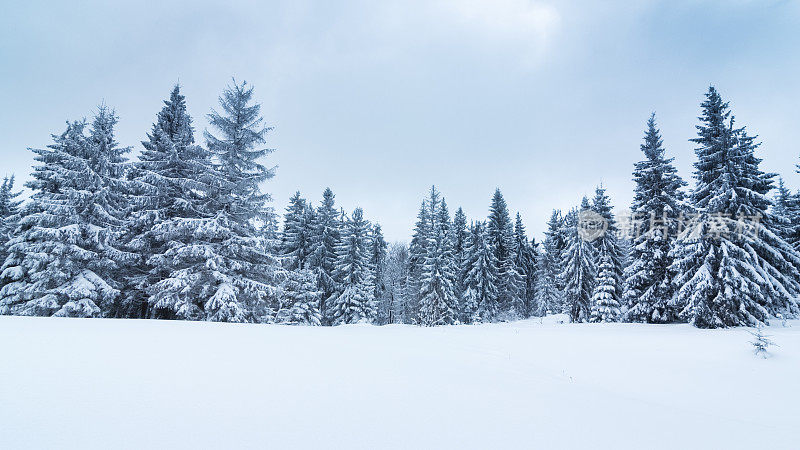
column 731, row 268
column 656, row 211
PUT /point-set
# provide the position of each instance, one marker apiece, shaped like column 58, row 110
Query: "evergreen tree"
column 460, row 241
column 728, row 274
column 656, row 211
column 377, row 260
column 9, row 210
column 786, row 211
column 500, row 231
column 480, row 298
column 548, row 298
column 297, row 236
column 525, row 263
column 579, row 268
column 298, row 298
column 170, row 183
column 554, row 244
column 322, row 259
column 417, row 253
column 607, row 290
column 217, row 264
column 394, row 308
column 64, row 258
column 438, row 303
column 354, row 302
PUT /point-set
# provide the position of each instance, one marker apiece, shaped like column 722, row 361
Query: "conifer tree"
column 656, row 211
column 606, row 296
column 322, row 260
column 500, row 231
column 377, row 260
column 170, row 184
column 354, row 301
column 9, row 210
column 217, row 264
column 579, row 268
column 460, row 241
column 480, row 298
column 731, row 268
column 525, row 263
column 298, row 298
column 297, row 236
column 417, row 253
column 438, row 304
column 65, row 256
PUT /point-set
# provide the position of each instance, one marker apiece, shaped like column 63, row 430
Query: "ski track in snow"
column 102, row 383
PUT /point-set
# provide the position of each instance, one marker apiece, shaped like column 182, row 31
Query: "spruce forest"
column 186, row 231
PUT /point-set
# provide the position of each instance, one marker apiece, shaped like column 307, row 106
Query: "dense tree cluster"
column 184, row 231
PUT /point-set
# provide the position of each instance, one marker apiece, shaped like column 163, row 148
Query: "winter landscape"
column 163, row 284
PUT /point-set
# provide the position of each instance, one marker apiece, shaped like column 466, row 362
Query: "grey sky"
column 379, row 100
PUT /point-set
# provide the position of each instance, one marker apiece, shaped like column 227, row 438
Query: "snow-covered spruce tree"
column 169, row 184
column 525, row 263
column 377, row 261
column 322, row 259
column 605, row 307
column 9, row 211
column 479, row 302
column 298, row 298
column 548, row 298
column 728, row 270
column 656, row 211
column 394, row 307
column 786, row 211
column 607, row 289
column 354, row 301
column 460, row 241
column 417, row 252
column 579, row 268
column 64, row 258
column 297, row 235
column 217, row 264
column 500, row 231
column 552, row 300
column 438, row 304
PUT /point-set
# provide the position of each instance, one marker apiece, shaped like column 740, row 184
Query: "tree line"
column 185, row 232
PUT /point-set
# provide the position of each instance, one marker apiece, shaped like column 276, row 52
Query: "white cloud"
column 525, row 23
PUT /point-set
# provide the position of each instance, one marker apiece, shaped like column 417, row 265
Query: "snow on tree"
column 786, row 211
column 606, row 296
column 217, row 264
column 500, row 231
column 579, row 267
column 655, row 214
column 297, row 235
column 731, row 268
column 354, row 301
column 525, row 263
column 377, row 260
column 552, row 299
column 417, row 253
column 460, row 239
column 548, row 298
column 64, row 258
column 9, row 210
column 298, row 298
column 169, row 183
column 394, row 307
column 480, row 300
column 322, row 258
column 438, row 304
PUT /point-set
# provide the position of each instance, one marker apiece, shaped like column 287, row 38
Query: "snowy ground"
column 75, row 383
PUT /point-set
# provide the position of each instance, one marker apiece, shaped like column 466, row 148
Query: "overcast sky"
column 379, row 100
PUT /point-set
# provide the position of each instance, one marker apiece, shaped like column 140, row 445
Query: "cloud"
column 525, row 24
